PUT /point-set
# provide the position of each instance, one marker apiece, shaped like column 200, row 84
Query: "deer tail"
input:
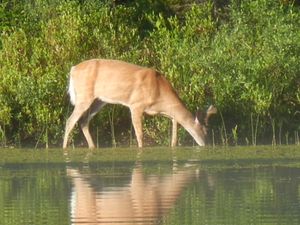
column 71, row 89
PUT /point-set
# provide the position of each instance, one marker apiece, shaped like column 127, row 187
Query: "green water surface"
column 256, row 185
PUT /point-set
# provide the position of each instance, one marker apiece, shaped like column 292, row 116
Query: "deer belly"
column 113, row 101
column 151, row 112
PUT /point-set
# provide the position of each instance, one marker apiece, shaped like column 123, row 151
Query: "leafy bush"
column 242, row 57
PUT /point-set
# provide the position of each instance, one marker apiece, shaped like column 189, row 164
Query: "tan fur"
column 99, row 81
column 143, row 201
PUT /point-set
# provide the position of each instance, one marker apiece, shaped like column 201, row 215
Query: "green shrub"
column 242, row 57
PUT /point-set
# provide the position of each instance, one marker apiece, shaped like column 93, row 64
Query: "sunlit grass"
column 237, row 156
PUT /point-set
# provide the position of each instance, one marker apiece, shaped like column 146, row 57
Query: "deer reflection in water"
column 143, row 201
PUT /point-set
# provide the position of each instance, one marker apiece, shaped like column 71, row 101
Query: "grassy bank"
column 232, row 157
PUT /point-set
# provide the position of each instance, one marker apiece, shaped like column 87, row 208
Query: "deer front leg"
column 136, row 117
column 174, row 133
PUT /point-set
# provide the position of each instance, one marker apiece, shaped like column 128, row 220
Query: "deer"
column 96, row 82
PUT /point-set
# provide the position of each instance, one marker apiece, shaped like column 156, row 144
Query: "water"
column 148, row 193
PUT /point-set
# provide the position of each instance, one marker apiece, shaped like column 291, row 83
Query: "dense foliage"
column 242, row 56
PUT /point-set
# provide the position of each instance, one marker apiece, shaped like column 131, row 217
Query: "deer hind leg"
column 85, row 119
column 174, row 133
column 136, row 117
column 78, row 111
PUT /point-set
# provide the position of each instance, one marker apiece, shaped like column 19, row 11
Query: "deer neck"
column 187, row 120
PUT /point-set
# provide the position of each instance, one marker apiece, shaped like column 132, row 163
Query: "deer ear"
column 210, row 111
column 196, row 120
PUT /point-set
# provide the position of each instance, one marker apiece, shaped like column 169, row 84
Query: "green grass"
column 230, row 156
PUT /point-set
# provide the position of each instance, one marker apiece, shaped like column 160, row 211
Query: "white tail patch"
column 71, row 90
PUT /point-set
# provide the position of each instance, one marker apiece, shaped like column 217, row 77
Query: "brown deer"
column 95, row 82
